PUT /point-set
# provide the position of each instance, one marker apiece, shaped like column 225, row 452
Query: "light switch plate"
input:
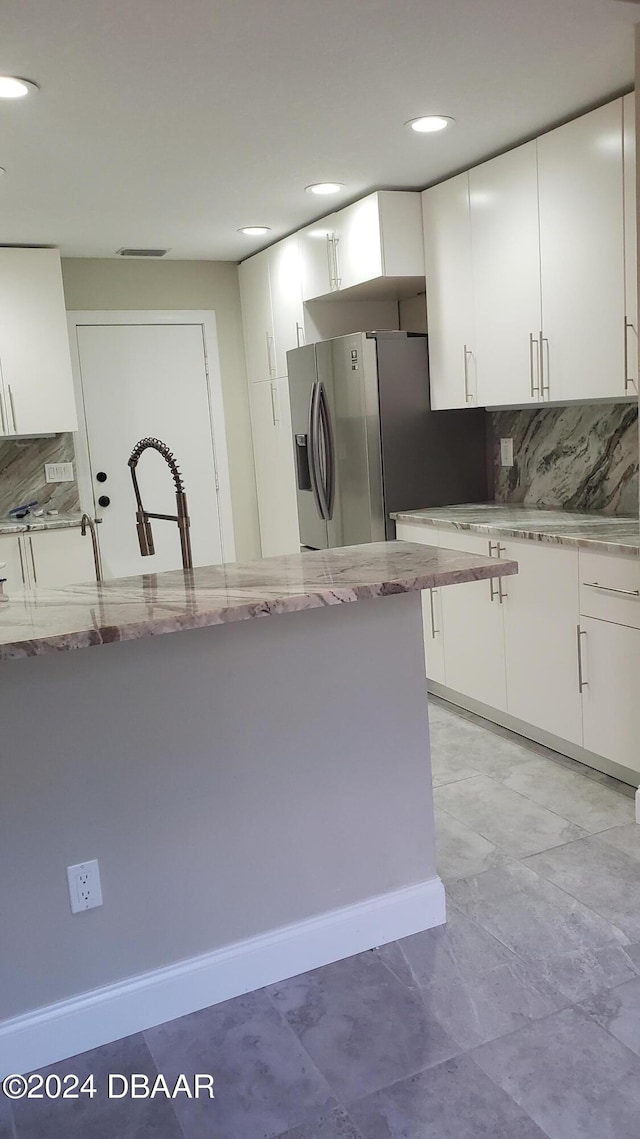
column 58, row 472
column 506, row 452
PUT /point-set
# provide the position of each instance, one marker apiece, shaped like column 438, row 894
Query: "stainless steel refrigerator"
column 366, row 442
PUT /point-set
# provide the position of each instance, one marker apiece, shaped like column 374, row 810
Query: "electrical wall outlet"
column 58, row 472
column 506, row 452
column 85, row 890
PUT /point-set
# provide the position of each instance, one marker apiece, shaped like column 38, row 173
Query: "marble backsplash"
column 22, row 473
column 575, row 458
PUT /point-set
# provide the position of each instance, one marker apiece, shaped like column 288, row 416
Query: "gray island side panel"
column 230, row 781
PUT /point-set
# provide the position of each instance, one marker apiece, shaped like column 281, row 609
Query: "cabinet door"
column 317, row 258
column 359, row 243
column 257, row 319
column 450, row 320
column 432, row 620
column 472, row 618
column 285, row 276
column 582, row 256
column 34, row 344
column 12, row 554
column 503, row 195
column 630, row 243
column 59, row 557
column 274, row 465
column 610, row 706
column 540, row 617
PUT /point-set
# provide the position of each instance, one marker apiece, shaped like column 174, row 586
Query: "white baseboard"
column 69, row 1027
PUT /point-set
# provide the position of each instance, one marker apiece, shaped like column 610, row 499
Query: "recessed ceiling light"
column 13, row 88
column 325, row 188
column 429, row 124
column 255, row 230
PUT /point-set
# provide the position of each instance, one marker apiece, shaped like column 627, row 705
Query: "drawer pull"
column 610, row 589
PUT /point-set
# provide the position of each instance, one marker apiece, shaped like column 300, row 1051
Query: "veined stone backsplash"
column 575, row 458
column 22, row 473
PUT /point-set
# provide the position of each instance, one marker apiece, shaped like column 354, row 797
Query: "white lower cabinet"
column 472, row 620
column 55, row 558
column 47, row 558
column 611, row 709
column 12, row 554
column 555, row 647
column 274, row 464
column 610, row 656
column 540, row 637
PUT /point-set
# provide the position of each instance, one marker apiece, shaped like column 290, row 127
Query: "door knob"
column 101, row 476
column 104, row 500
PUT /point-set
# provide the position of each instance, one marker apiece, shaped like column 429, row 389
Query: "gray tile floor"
column 519, row 1019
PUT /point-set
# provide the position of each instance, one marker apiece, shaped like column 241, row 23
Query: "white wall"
column 109, row 284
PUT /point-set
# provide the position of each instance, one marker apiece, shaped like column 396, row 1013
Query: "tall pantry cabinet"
column 272, row 274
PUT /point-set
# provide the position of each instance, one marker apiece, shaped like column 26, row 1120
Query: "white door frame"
column 206, row 318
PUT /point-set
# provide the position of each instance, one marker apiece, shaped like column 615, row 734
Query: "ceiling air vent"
column 141, row 252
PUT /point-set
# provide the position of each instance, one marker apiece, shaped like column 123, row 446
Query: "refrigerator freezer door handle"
column 329, row 488
column 313, row 449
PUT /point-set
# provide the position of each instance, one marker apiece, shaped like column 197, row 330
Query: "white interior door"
column 149, row 380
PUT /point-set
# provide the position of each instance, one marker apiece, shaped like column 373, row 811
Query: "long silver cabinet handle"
column 24, row 580
column 535, row 387
column 337, row 280
column 270, row 364
column 468, row 397
column 4, row 425
column 13, row 409
column 545, row 387
column 274, row 401
column 628, row 380
column 330, row 261
column 582, row 683
column 33, row 561
column 611, row 589
column 434, row 631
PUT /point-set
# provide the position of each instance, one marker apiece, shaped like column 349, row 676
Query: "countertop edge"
column 483, row 569
column 599, row 545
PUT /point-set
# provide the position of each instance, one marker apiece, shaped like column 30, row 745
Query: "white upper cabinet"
column 317, row 258
column 378, row 237
column 285, row 278
column 582, row 256
column 503, row 195
column 36, row 388
column 450, row 316
column 630, row 243
column 257, row 318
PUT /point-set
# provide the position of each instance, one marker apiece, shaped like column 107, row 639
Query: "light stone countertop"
column 599, row 532
column 46, row 522
column 78, row 616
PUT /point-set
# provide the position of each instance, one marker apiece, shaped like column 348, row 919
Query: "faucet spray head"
column 145, row 535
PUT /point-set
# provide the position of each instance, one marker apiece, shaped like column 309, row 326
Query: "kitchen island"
column 257, row 792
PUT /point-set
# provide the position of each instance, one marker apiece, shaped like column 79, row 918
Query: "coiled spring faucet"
column 143, row 525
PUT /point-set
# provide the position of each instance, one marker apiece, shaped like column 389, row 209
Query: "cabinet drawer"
column 610, row 588
column 415, row 532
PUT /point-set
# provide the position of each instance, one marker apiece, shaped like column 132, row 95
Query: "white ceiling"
column 170, row 123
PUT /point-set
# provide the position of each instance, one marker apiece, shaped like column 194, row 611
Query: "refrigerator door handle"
column 329, row 488
column 313, row 449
